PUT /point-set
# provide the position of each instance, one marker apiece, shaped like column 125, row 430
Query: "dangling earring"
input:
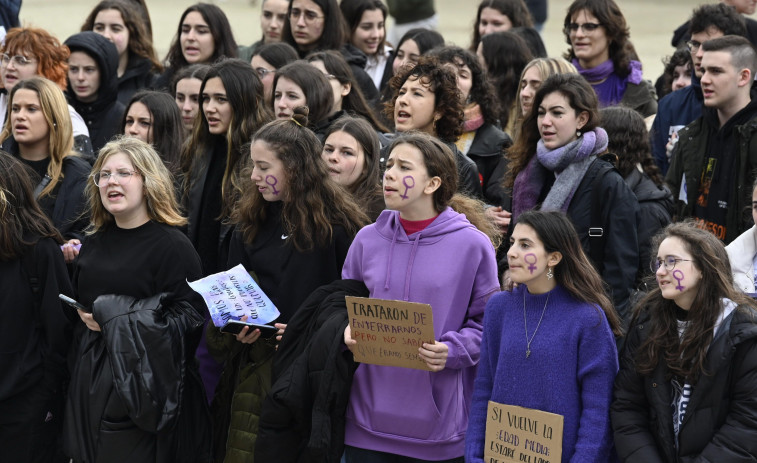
column 578, row 133
column 550, row 274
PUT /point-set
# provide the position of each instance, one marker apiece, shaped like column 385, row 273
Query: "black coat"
column 619, row 219
column 720, row 424
column 655, row 212
column 303, row 416
column 487, row 151
column 141, row 364
column 137, row 76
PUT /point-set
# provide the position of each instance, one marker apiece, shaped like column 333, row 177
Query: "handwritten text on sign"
column 232, row 294
column 522, row 434
column 390, row 332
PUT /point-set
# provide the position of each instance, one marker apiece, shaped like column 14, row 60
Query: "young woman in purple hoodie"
column 422, row 249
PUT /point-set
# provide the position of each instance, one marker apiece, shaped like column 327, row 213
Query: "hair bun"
column 300, row 115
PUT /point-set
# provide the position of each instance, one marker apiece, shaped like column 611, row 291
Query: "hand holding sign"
column 232, row 294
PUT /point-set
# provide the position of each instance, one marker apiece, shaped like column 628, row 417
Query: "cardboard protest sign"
column 233, row 294
column 390, row 332
column 522, row 434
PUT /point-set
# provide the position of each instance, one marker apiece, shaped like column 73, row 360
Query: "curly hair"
column 686, row 356
column 610, row 16
column 160, row 197
column 629, row 140
column 354, row 102
column 243, row 90
column 51, row 55
column 313, row 204
column 681, row 57
column 581, row 98
column 220, row 29
column 440, row 161
column 447, row 101
column 61, row 135
column 140, row 41
column 506, row 55
column 515, row 10
column 23, row 220
column 482, row 91
column 722, row 17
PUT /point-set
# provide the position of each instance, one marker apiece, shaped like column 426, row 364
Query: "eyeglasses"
column 122, row 177
column 587, row 28
column 693, row 45
column 18, row 60
column 669, row 263
column 262, row 72
column 309, row 15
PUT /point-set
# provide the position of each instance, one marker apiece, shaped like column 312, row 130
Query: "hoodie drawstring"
column 410, row 266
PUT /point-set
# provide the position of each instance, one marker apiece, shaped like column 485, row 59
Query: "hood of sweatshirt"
column 389, row 228
column 105, row 55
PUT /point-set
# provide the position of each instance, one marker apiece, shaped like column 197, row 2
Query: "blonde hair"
column 162, row 205
column 61, row 134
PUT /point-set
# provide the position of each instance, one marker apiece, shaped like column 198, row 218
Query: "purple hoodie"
column 450, row 265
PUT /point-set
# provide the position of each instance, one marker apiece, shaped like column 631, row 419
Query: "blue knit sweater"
column 570, row 371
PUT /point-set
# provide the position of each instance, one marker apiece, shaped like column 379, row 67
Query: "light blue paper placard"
column 233, row 294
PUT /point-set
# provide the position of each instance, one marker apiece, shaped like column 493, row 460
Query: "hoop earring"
column 550, row 274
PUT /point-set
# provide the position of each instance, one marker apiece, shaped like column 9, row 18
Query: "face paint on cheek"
column 678, row 275
column 531, row 260
column 272, row 181
column 409, row 182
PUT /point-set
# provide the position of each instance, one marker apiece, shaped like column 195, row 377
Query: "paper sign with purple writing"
column 389, row 332
column 232, row 294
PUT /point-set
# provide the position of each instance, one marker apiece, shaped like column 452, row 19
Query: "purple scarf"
column 611, row 87
column 567, row 163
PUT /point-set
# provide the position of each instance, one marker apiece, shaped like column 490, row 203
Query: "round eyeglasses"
column 669, row 263
column 121, row 177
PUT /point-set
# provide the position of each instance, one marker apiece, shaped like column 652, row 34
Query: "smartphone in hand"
column 235, row 327
column 73, row 303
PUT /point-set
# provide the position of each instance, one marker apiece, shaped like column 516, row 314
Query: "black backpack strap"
column 28, row 267
column 41, row 186
column 597, row 234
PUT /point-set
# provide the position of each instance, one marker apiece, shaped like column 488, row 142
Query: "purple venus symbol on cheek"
column 678, row 275
column 272, row 181
column 409, row 182
column 530, row 259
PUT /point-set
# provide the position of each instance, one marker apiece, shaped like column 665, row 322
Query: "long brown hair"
column 313, row 204
column 574, row 271
column 685, row 356
column 440, row 162
column 61, row 136
column 581, row 98
column 20, row 214
column 140, row 38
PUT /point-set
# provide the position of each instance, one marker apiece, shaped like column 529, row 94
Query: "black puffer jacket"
column 357, row 60
column 141, row 365
column 655, row 212
column 487, row 151
column 303, row 416
column 103, row 116
column 720, row 424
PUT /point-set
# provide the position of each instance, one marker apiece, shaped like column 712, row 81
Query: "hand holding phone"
column 235, row 327
column 73, row 303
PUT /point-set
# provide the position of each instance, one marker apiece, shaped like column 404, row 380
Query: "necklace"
column 525, row 325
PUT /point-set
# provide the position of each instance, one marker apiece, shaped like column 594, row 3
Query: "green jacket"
column 689, row 158
column 245, row 382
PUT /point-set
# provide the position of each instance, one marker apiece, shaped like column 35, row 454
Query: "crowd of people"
column 579, row 229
